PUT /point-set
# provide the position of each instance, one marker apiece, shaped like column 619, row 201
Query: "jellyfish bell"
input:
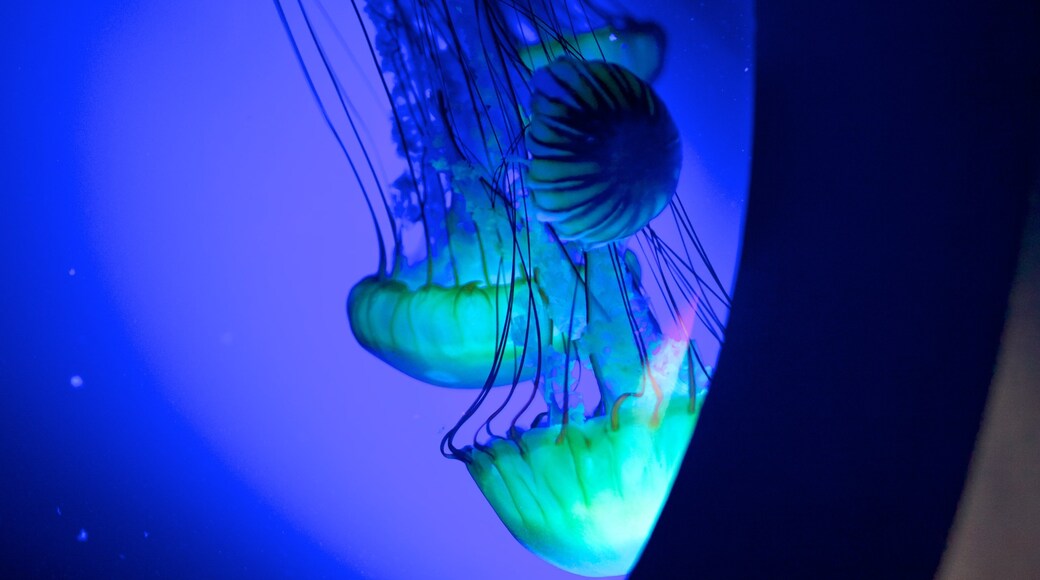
column 605, row 152
column 445, row 335
column 458, row 317
column 585, row 496
column 442, row 335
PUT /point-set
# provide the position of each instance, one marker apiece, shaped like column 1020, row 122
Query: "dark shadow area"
column 895, row 146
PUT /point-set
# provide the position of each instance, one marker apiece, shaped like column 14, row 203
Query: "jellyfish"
column 521, row 258
column 605, row 153
column 448, row 288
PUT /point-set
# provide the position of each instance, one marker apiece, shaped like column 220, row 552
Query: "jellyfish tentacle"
column 344, row 101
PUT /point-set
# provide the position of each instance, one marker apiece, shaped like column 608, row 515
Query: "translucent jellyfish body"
column 586, row 497
column 456, row 319
column 442, row 335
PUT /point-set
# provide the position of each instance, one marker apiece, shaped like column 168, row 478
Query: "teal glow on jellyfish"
column 523, row 262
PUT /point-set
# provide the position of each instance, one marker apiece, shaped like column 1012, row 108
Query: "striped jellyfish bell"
column 605, row 152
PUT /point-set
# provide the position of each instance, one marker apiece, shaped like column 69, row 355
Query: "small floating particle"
column 76, row 381
column 82, row 535
column 72, row 271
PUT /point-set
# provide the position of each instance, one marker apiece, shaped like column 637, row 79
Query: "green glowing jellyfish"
column 444, row 320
